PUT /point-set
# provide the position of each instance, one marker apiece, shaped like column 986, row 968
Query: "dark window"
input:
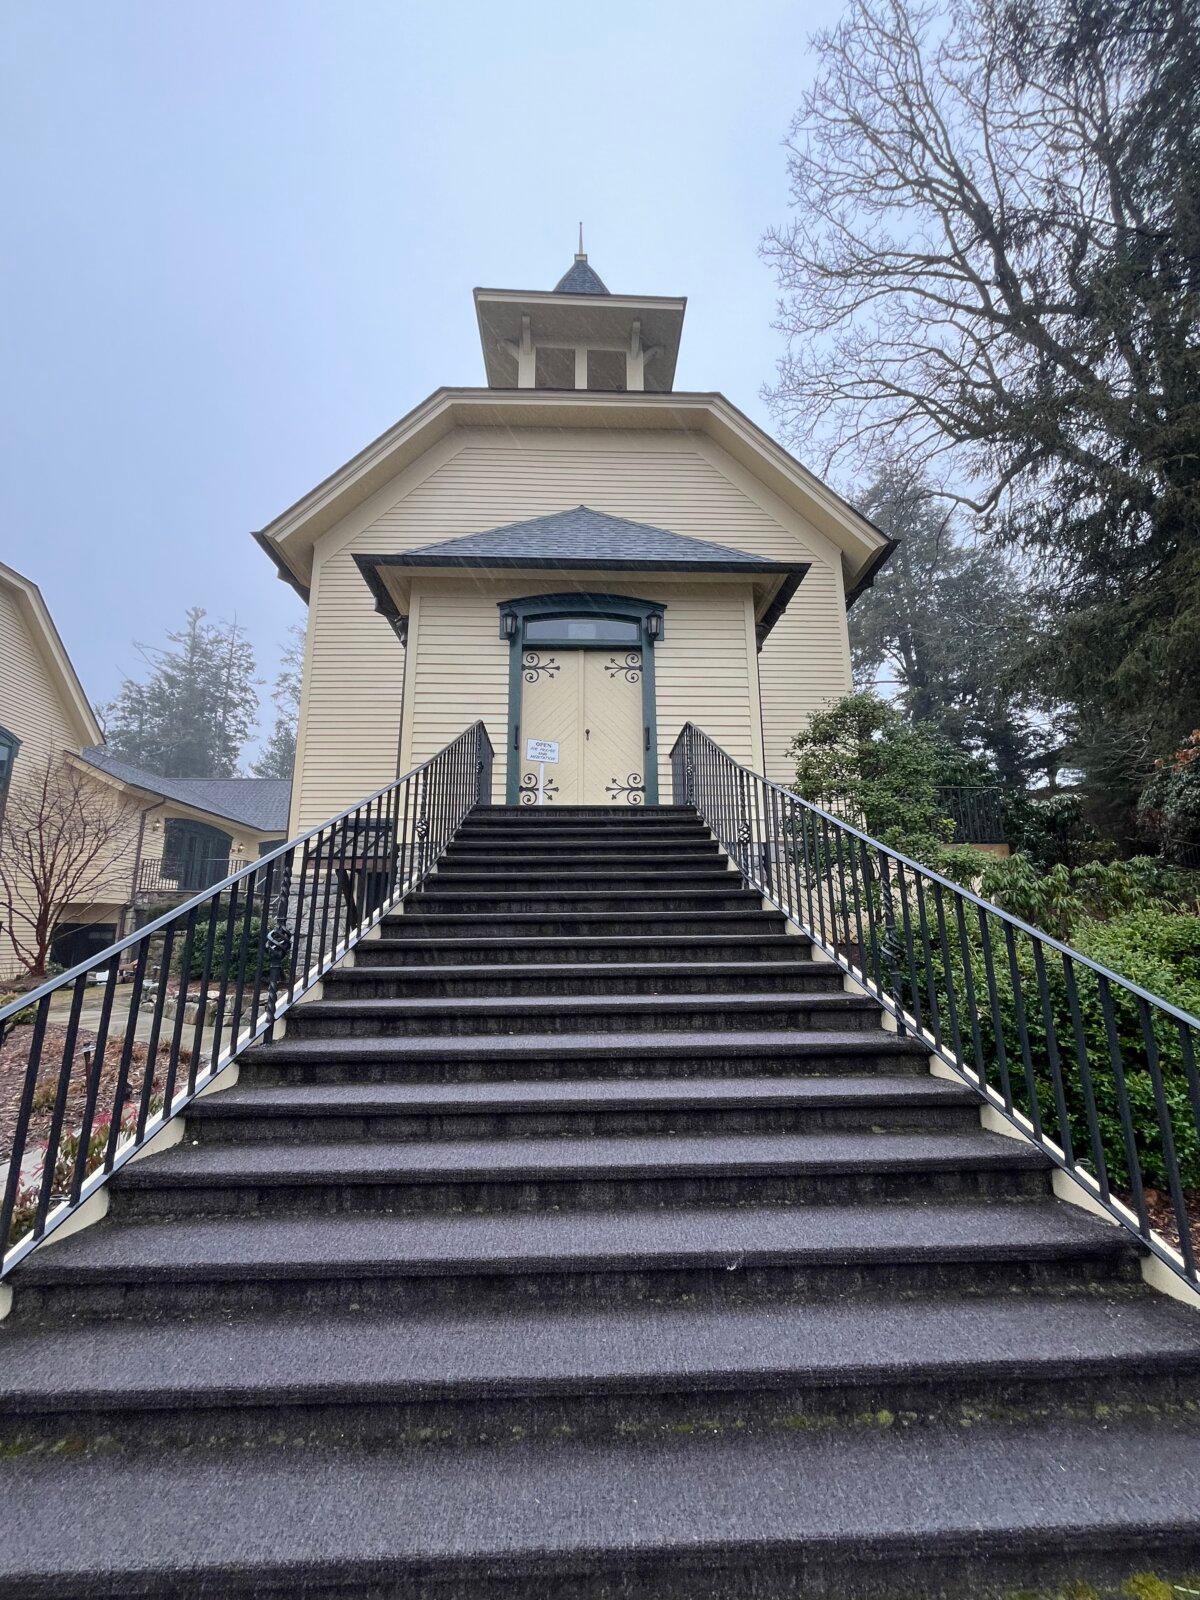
column 582, row 630
column 194, row 855
column 74, row 942
column 9, row 745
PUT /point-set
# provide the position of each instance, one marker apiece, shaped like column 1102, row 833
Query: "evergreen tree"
column 196, row 708
column 278, row 755
column 946, row 628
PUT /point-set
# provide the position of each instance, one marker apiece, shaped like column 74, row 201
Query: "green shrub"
column 224, row 963
column 1157, row 949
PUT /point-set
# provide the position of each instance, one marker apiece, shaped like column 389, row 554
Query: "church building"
column 579, row 554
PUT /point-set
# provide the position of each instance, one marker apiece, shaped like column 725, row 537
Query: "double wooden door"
column 589, row 704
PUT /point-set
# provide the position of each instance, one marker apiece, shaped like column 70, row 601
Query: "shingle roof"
column 579, row 278
column 260, row 803
column 583, row 538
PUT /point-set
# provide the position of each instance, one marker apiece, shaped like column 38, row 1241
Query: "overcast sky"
column 241, row 241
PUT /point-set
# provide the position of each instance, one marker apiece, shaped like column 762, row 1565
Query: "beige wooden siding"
column 702, row 665
column 351, row 710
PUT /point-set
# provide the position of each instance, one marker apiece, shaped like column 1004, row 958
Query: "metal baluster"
column 231, row 917
column 156, row 1020
column 989, row 972
column 1014, row 973
column 1085, row 1077
column 1056, row 1078
column 935, row 1008
column 909, row 947
column 94, row 1076
column 1133, row 1159
column 202, row 997
column 12, row 1181
column 131, row 1021
column 279, row 940
column 1170, row 1160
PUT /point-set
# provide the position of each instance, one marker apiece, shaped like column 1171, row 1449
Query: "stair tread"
column 729, row 1238
column 726, row 1042
column 358, row 1356
column 325, row 1514
column 598, row 941
column 524, row 1004
column 539, row 1094
column 604, row 1157
column 580, row 918
column 561, row 969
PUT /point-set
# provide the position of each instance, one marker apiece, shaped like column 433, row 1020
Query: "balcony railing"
column 977, row 814
column 167, row 879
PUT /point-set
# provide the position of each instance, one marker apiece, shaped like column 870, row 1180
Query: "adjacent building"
column 164, row 839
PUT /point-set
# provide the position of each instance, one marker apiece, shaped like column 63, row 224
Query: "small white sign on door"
column 541, row 750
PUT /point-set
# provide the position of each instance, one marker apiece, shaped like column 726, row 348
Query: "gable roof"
column 290, row 537
column 49, row 644
column 583, row 538
column 579, row 278
column 259, row 803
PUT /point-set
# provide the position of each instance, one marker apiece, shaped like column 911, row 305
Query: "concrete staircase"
column 587, row 1238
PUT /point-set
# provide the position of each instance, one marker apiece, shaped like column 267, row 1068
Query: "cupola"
column 578, row 335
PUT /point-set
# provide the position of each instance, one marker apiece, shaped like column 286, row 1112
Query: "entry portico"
column 572, row 656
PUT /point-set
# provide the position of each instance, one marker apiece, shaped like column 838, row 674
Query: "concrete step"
column 520, row 1108
column 518, row 1015
column 387, row 1377
column 183, row 1266
column 419, row 920
column 564, row 877
column 592, row 949
column 667, row 1055
column 773, row 1512
column 399, row 981
column 550, row 817
column 587, row 1174
column 501, row 904
column 660, row 849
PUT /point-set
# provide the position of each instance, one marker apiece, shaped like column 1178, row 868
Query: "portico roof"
column 578, row 540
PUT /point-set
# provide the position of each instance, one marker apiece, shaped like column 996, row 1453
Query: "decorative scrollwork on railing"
column 532, row 666
column 278, row 940
column 630, row 668
column 634, row 789
column 532, row 791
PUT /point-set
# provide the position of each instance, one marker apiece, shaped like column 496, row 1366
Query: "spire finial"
column 579, row 254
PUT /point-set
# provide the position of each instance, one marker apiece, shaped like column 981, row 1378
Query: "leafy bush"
column 1169, row 806
column 1051, row 830
column 227, row 952
column 862, row 760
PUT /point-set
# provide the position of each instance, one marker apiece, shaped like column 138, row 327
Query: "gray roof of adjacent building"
column 585, row 538
column 259, row 803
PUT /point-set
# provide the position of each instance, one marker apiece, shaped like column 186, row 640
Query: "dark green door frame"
column 515, row 616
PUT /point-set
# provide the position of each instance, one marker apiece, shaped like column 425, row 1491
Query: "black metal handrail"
column 1097, row 1071
column 206, row 980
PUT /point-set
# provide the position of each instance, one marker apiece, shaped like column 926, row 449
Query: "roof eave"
column 871, row 571
column 447, row 408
